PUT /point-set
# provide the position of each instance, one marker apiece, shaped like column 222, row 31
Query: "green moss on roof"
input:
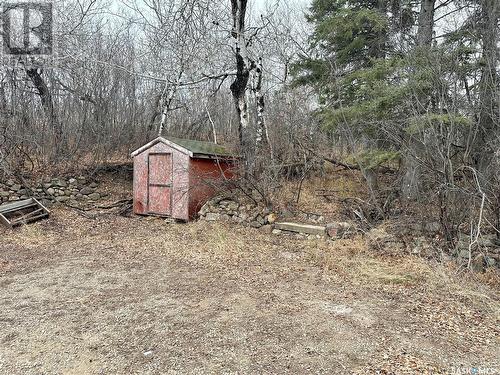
column 200, row 147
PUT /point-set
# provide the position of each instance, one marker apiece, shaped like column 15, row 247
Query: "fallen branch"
column 116, row 204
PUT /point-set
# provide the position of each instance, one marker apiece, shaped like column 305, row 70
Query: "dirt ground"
column 88, row 292
column 129, row 295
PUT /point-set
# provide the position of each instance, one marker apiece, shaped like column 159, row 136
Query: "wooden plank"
column 17, row 205
column 38, row 211
column 18, row 208
column 5, row 221
column 41, row 205
column 27, row 215
column 30, row 219
column 301, row 228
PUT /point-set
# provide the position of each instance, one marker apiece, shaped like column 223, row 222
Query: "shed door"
column 160, row 184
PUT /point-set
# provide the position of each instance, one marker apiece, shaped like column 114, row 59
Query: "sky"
column 261, row 4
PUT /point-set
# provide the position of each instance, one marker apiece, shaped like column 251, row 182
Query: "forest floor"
column 107, row 294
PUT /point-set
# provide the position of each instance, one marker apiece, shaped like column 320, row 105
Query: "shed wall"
column 205, row 176
column 180, row 181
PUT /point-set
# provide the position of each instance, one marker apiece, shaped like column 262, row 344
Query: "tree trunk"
column 412, row 173
column 425, row 23
column 488, row 85
column 262, row 131
column 48, row 105
column 239, row 86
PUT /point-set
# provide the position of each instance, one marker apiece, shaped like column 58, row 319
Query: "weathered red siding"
column 205, row 176
column 154, row 169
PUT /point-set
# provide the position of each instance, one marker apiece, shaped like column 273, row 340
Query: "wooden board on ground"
column 22, row 212
column 301, row 228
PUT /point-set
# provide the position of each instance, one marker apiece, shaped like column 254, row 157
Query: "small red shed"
column 174, row 177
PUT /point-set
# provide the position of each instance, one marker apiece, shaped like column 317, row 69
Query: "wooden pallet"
column 22, row 212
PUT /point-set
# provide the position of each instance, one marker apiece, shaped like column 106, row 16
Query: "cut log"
column 301, row 228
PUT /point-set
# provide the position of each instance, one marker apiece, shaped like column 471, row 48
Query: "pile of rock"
column 389, row 240
column 231, row 209
column 484, row 253
column 50, row 190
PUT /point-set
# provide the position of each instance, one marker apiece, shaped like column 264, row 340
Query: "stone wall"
column 246, row 212
column 51, row 190
column 417, row 240
column 485, row 253
column 236, row 210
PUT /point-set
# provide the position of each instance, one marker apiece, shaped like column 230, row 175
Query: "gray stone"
column 276, row 231
column 255, row 224
column 15, row 187
column 46, row 202
column 478, row 263
column 204, row 209
column 47, row 185
column 93, row 185
column 24, row 197
column 233, row 206
column 9, row 183
column 267, row 229
column 60, row 183
column 4, row 194
column 463, row 254
column 13, row 198
column 490, row 262
column 486, row 240
column 86, row 191
column 286, row 213
column 72, row 181
column 62, row 198
column 211, row 216
column 338, row 230
column 94, row 196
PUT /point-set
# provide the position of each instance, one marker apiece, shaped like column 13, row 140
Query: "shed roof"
column 188, row 146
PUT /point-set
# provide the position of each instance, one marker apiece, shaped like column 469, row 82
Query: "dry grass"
column 220, row 298
column 211, row 298
column 343, row 185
